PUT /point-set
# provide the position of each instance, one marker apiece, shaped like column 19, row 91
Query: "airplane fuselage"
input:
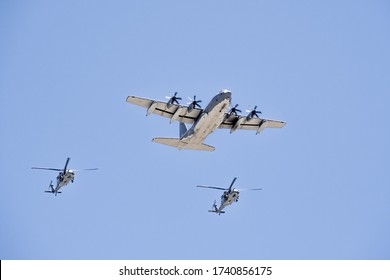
column 210, row 119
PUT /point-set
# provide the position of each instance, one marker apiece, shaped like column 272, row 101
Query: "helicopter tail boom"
column 215, row 209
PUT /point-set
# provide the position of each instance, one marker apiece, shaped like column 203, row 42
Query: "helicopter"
column 63, row 178
column 229, row 196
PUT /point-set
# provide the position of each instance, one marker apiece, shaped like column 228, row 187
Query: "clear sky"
column 66, row 68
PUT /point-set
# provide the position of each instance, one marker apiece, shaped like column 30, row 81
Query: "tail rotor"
column 51, row 189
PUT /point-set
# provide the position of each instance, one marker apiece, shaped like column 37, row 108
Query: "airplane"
column 204, row 121
column 229, row 196
column 64, row 177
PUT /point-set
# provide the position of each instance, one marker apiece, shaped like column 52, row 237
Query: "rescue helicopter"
column 229, row 196
column 63, row 178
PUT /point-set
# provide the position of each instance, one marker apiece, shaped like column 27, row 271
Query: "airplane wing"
column 172, row 111
column 234, row 122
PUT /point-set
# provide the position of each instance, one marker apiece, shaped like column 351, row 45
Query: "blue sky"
column 67, row 67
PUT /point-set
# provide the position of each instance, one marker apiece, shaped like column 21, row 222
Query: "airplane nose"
column 226, row 94
column 229, row 95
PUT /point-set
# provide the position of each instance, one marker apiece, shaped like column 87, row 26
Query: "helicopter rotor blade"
column 44, row 168
column 210, row 187
column 259, row 189
column 231, row 185
column 66, row 165
column 86, row 169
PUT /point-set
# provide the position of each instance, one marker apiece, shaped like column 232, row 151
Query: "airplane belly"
column 207, row 123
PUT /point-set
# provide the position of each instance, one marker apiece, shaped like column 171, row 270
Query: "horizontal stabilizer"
column 219, row 212
column 176, row 142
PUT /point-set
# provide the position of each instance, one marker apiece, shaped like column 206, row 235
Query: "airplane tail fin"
column 177, row 143
column 182, row 129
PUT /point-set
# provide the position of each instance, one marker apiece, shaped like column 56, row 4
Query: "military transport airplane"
column 204, row 121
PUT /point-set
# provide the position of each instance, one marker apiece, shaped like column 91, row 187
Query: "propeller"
column 253, row 113
column 234, row 110
column 194, row 103
column 173, row 99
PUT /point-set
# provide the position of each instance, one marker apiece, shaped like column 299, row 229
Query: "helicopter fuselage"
column 64, row 179
column 227, row 198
